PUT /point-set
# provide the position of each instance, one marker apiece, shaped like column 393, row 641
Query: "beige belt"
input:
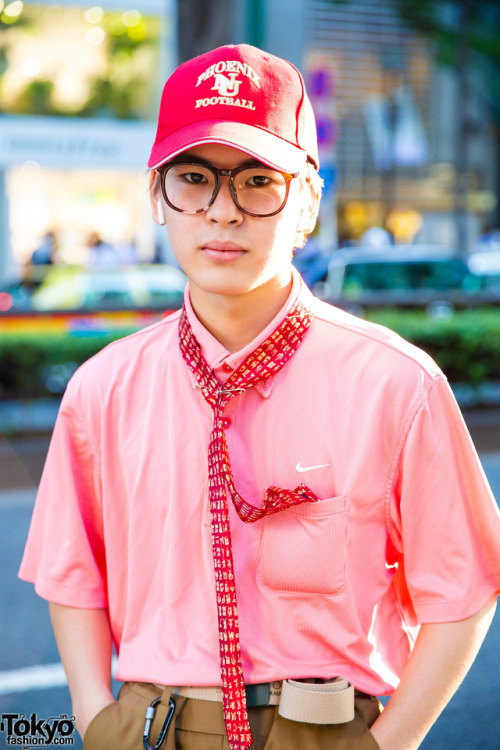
column 326, row 702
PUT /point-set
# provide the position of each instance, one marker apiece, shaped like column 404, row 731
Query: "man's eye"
column 195, row 178
column 259, row 180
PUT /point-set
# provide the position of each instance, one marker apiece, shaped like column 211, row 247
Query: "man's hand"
column 88, row 710
column 441, row 658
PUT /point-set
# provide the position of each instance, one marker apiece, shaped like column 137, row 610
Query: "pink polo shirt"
column 406, row 531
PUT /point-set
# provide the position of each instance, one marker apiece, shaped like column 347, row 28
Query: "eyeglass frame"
column 231, row 173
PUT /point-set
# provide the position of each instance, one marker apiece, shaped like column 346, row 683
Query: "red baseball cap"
column 239, row 96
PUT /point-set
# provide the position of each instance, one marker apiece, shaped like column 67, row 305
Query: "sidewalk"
column 484, row 427
column 28, row 417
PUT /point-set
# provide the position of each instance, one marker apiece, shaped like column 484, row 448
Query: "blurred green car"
column 433, row 278
column 151, row 287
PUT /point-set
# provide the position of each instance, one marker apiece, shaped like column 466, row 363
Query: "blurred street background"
column 407, row 100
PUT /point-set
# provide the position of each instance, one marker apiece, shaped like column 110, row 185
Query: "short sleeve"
column 444, row 521
column 64, row 555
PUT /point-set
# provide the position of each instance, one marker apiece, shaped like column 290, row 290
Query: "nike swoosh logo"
column 310, row 468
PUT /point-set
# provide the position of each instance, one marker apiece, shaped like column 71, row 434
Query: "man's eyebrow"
column 187, row 159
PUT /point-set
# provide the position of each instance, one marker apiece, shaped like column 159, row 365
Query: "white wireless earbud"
column 159, row 211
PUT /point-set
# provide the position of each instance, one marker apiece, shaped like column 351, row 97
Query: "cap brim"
column 260, row 144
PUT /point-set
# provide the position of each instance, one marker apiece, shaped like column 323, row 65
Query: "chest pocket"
column 303, row 549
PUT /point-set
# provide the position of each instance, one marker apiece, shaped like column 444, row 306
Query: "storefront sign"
column 71, row 142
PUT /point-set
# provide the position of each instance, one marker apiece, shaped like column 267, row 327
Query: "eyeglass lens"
column 259, row 190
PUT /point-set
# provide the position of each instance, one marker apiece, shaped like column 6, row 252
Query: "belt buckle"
column 258, row 695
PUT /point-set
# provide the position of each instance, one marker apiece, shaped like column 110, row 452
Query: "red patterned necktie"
column 261, row 365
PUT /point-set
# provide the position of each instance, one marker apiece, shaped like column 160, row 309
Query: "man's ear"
column 155, row 198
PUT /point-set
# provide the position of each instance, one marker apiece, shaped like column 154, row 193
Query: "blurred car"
column 489, row 242
column 431, row 277
column 312, row 263
column 74, row 288
column 485, row 266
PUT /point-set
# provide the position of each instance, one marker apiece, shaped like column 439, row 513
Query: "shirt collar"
column 216, row 355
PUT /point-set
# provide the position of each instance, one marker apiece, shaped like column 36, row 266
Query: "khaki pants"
column 199, row 725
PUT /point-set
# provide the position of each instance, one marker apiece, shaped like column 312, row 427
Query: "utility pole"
column 203, row 25
column 464, row 12
column 255, row 22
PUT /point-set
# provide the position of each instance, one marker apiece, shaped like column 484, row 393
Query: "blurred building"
column 388, row 116
column 398, row 115
column 79, row 93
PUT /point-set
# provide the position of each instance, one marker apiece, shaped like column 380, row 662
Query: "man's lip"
column 223, row 252
column 223, row 247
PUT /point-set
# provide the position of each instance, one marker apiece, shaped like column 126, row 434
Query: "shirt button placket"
column 226, row 369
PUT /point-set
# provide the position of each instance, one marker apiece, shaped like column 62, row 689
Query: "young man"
column 271, row 508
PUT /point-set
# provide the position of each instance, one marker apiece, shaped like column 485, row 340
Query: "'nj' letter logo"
column 226, row 85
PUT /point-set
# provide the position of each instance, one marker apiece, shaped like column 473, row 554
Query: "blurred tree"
column 203, row 25
column 15, row 22
column 36, row 98
column 442, row 21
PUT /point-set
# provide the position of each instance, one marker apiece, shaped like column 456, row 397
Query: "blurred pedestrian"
column 241, row 621
column 44, row 253
column 101, row 253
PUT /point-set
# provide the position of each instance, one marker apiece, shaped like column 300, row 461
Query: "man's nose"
column 224, row 210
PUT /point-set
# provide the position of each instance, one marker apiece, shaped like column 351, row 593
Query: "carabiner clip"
column 150, row 714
